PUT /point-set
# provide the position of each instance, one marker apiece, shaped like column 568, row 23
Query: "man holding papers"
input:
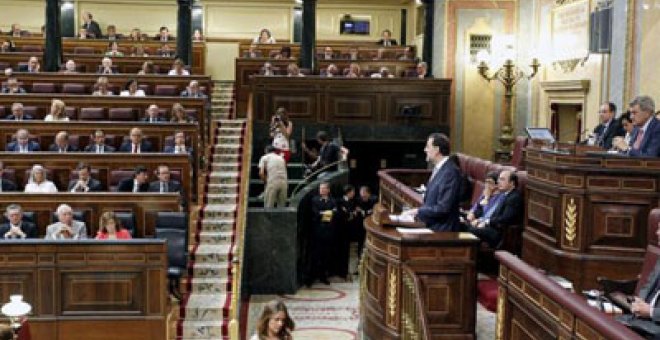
column 440, row 209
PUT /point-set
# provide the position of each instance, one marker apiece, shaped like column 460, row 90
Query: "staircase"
column 205, row 310
column 223, row 100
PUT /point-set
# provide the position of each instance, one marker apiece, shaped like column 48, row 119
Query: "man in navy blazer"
column 16, row 228
column 135, row 144
column 645, row 140
column 23, row 144
column 440, row 210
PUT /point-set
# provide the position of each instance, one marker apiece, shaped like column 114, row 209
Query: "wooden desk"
column 143, row 205
column 427, row 280
column 249, row 67
column 360, row 101
column 586, row 216
column 530, row 306
column 116, row 81
column 42, row 103
column 365, row 48
column 100, row 46
column 115, row 133
column 89, row 289
column 60, row 166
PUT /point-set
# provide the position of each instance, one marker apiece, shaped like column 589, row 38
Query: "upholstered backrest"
column 43, row 88
column 121, row 113
column 517, row 159
column 73, row 88
column 654, row 219
column 92, row 113
column 650, row 259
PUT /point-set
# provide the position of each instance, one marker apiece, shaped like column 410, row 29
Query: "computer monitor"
column 540, row 134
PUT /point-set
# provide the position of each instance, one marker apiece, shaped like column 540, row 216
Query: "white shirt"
column 437, row 167
column 43, row 187
column 280, row 141
column 50, row 118
column 275, row 167
column 183, row 73
column 138, row 93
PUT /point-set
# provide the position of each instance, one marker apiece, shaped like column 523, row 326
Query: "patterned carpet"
column 332, row 313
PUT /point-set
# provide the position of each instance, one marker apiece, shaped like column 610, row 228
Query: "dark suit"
column 92, row 185
column 32, row 146
column 650, row 329
column 28, row 228
column 145, row 146
column 158, row 120
column 25, row 117
column 382, row 42
column 366, row 209
column 650, row 146
column 69, row 148
column 329, row 154
column 8, row 185
column 172, row 186
column 187, row 94
column 106, row 148
column 650, row 290
column 605, row 137
column 508, row 213
column 346, row 216
column 25, row 68
column 171, row 149
column 93, row 29
column 127, row 186
column 323, row 238
column 20, row 90
column 440, row 210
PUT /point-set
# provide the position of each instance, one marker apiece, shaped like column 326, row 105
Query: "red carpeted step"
column 487, row 294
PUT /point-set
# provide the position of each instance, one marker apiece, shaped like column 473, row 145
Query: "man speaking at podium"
column 440, row 209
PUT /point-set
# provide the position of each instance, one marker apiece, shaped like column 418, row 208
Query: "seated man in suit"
column 440, row 210
column 17, row 113
column 609, row 126
column 645, row 140
column 99, row 146
column 111, row 33
column 66, row 227
column 136, row 144
column 645, row 317
column 13, row 87
column 153, row 115
column 136, row 184
column 61, row 144
column 179, row 144
column 509, row 211
column 16, row 31
column 85, row 182
column 193, row 90
column 164, row 183
column 6, row 185
column 421, row 70
column 386, row 39
column 164, row 35
column 32, row 66
column 16, row 227
column 23, row 144
column 106, row 66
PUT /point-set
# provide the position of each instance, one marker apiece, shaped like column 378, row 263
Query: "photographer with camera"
column 281, row 129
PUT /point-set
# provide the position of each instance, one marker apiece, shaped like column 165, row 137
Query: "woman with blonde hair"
column 179, row 114
column 37, row 183
column 57, row 112
column 178, row 69
column 274, row 323
column 102, row 87
column 110, row 228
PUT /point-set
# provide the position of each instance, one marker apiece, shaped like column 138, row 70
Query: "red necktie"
column 135, row 149
column 638, row 140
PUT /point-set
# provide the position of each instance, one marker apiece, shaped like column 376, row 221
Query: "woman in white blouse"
column 264, row 37
column 131, row 89
column 38, row 182
column 178, row 70
column 57, row 113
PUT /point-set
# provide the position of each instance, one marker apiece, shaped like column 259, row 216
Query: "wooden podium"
column 415, row 286
column 586, row 213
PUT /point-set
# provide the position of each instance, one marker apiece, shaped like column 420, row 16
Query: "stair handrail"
column 313, row 175
column 414, row 321
column 243, row 196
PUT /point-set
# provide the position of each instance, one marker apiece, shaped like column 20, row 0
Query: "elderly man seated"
column 13, row 87
column 17, row 113
column 66, row 228
column 61, row 144
column 23, row 144
column 136, row 144
column 193, row 90
column 31, row 67
column 16, row 228
column 179, row 144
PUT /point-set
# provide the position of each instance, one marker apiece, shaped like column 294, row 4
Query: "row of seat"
column 79, row 142
column 78, row 88
column 96, row 113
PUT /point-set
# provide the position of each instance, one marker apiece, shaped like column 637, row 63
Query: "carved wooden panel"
column 571, row 222
column 443, row 298
column 348, row 108
column 20, row 282
column 616, row 225
column 299, row 107
column 117, row 291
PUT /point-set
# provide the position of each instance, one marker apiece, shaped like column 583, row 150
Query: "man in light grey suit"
column 647, row 305
column 67, row 227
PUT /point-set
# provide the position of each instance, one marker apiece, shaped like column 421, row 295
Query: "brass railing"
column 234, row 323
column 414, row 324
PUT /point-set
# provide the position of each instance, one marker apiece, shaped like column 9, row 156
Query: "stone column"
column 427, row 51
column 184, row 32
column 308, row 41
column 52, row 58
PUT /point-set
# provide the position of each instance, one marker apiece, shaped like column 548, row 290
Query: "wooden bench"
column 144, row 207
column 79, row 290
column 100, row 46
column 167, row 86
column 246, row 68
column 38, row 105
column 366, row 49
column 89, row 63
column 107, row 168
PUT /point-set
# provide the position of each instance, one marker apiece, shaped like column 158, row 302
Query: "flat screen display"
column 353, row 26
column 540, row 134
